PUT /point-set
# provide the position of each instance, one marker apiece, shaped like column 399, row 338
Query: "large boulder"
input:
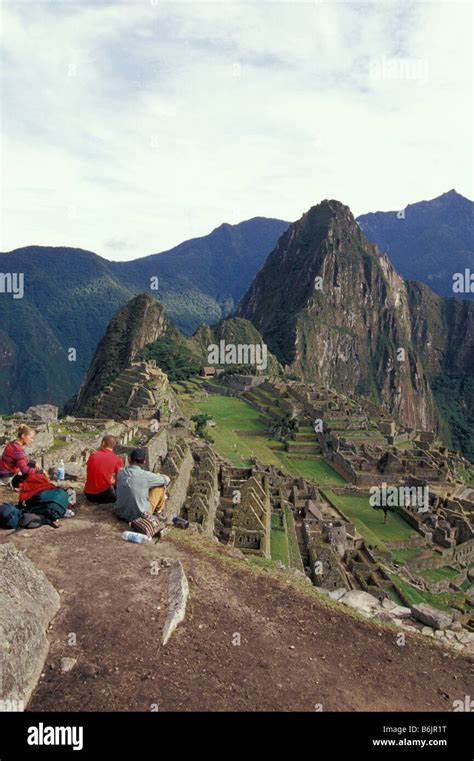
column 44, row 412
column 43, row 441
column 74, row 471
column 362, row 601
column 28, row 602
column 433, row 617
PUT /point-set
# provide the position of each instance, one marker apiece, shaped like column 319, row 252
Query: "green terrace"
column 442, row 600
column 370, row 522
column 283, row 540
column 438, row 574
column 240, row 434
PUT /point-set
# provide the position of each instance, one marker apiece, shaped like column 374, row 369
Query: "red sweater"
column 101, row 467
column 14, row 460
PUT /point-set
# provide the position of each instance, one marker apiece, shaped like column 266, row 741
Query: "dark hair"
column 138, row 455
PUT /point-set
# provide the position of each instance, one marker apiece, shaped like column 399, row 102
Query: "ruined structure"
column 140, row 391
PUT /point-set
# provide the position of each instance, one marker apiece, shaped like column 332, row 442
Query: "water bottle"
column 134, row 536
column 61, row 470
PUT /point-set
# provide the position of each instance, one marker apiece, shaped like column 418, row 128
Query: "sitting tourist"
column 102, row 470
column 138, row 490
column 14, row 463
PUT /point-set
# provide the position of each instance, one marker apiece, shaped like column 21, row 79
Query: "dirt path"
column 294, row 653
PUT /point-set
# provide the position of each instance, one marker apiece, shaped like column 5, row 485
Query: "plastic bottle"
column 69, row 513
column 134, row 536
column 61, row 470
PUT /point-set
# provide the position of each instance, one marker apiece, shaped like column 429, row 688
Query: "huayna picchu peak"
column 333, row 310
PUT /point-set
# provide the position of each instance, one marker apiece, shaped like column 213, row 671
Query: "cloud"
column 149, row 123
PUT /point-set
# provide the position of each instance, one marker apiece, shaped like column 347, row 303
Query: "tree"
column 201, row 427
column 285, row 428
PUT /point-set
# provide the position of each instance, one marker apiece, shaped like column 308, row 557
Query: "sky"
column 130, row 127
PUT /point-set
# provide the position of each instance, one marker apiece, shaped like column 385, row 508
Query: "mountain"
column 202, row 280
column 333, row 309
column 232, row 331
column 71, row 294
column 140, row 322
column 428, row 241
column 141, row 330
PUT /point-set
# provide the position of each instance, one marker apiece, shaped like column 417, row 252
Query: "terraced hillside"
column 241, row 432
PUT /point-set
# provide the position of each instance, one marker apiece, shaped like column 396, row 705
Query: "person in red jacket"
column 102, row 469
column 15, row 465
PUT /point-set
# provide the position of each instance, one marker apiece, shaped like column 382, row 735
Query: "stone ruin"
column 141, row 391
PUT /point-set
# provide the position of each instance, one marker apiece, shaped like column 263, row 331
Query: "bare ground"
column 295, row 652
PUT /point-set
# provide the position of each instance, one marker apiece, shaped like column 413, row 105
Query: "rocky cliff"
column 140, row 322
column 333, row 309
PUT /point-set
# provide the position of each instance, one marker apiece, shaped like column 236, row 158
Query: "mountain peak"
column 139, row 322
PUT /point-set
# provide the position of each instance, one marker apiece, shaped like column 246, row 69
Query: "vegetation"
column 442, row 601
column 293, row 549
column 278, row 541
column 174, row 357
column 284, row 428
column 201, row 422
column 375, row 532
column 240, row 434
column 449, row 388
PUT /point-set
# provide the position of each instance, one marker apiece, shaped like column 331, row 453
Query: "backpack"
column 147, row 524
column 33, row 520
column 9, row 515
column 52, row 503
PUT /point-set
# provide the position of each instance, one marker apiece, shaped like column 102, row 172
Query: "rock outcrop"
column 28, row 602
column 140, row 322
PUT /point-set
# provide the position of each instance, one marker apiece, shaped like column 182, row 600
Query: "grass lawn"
column 436, row 574
column 231, row 415
column 442, row 601
column 369, row 521
column 278, row 541
column 316, row 470
column 293, row 548
column 401, row 556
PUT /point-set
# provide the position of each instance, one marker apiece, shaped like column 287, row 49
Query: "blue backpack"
column 52, row 503
column 10, row 515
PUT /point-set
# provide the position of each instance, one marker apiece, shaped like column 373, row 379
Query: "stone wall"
column 178, row 466
column 202, row 498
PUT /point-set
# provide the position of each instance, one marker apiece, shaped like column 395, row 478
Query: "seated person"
column 102, row 469
column 138, row 490
column 14, row 463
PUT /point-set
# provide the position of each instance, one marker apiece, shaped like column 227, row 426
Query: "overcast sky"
column 128, row 128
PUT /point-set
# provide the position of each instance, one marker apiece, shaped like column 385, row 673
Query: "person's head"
column 109, row 442
column 25, row 435
column 137, row 457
